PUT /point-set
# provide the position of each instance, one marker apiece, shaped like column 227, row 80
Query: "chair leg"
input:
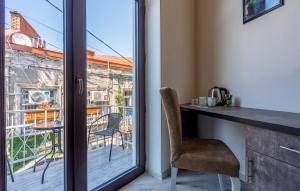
column 9, row 168
column 112, row 138
column 235, row 184
column 220, row 177
column 173, row 178
column 104, row 141
column 122, row 140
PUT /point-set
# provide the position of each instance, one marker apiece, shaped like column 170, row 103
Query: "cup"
column 194, row 101
column 202, row 101
column 211, row 101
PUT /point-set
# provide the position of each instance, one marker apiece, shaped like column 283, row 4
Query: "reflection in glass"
column 34, row 95
column 110, row 89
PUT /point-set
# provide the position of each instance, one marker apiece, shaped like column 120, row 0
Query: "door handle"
column 79, row 81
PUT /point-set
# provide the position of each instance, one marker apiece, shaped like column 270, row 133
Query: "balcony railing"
column 25, row 145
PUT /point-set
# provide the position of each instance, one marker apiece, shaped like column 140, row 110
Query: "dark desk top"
column 285, row 122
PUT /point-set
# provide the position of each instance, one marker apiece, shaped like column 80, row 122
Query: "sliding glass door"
column 71, row 94
column 111, row 100
column 34, row 95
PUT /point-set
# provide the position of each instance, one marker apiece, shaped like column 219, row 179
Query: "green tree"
column 119, row 99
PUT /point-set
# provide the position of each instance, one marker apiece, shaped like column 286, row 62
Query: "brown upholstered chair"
column 196, row 154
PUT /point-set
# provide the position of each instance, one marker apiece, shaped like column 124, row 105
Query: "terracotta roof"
column 19, row 24
column 103, row 60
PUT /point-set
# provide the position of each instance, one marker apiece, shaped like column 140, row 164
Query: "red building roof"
column 20, row 25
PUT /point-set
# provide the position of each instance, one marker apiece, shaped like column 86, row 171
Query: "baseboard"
column 159, row 176
column 156, row 175
column 167, row 173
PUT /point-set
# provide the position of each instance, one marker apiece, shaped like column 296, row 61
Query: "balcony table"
column 56, row 131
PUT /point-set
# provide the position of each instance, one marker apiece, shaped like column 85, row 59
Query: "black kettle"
column 218, row 93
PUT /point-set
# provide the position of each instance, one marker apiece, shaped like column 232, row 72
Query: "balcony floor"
column 100, row 170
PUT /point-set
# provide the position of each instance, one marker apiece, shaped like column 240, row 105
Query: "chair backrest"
column 172, row 110
column 113, row 123
column 114, row 120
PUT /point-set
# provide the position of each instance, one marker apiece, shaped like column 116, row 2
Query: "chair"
column 112, row 127
column 196, row 154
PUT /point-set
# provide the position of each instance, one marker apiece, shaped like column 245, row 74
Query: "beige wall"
column 178, row 48
column 170, row 53
column 193, row 45
column 259, row 62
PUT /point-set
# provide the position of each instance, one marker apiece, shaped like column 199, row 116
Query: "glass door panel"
column 111, row 112
column 34, row 95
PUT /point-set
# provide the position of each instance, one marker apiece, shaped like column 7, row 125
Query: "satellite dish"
column 21, row 39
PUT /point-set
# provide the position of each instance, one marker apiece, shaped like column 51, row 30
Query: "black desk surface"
column 285, row 122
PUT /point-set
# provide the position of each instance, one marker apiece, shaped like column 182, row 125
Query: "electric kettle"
column 218, row 93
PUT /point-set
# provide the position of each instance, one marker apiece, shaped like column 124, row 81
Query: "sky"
column 110, row 20
column 271, row 3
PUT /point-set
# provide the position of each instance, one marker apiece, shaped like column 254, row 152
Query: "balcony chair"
column 195, row 154
column 112, row 127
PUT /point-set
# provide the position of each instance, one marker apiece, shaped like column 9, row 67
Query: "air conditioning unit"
column 38, row 97
column 99, row 96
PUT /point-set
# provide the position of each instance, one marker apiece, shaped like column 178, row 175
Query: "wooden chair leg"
column 173, row 178
column 220, row 177
column 235, row 184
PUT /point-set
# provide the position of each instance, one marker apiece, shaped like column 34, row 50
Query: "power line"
column 39, row 22
column 51, row 28
column 92, row 34
column 53, row 5
column 92, row 47
column 54, row 46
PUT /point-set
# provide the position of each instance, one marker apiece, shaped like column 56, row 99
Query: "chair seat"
column 207, row 155
column 106, row 132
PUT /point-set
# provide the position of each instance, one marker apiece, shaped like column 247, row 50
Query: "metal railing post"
column 45, row 136
column 12, row 144
column 34, row 146
column 24, row 144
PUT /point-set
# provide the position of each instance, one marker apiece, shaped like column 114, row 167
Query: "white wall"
column 259, row 61
column 170, row 53
column 153, row 84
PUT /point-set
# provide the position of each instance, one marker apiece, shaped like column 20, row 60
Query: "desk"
column 272, row 143
column 284, row 122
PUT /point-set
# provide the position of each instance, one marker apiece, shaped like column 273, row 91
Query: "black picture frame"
column 258, row 8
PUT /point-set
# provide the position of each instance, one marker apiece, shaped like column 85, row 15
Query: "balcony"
column 25, row 146
column 100, row 170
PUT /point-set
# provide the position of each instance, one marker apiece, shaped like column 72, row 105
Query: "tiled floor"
column 186, row 181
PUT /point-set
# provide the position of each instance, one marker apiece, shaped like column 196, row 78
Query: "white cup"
column 211, row 101
column 202, row 101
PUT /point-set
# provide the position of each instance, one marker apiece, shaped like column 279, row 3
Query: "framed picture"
column 255, row 8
